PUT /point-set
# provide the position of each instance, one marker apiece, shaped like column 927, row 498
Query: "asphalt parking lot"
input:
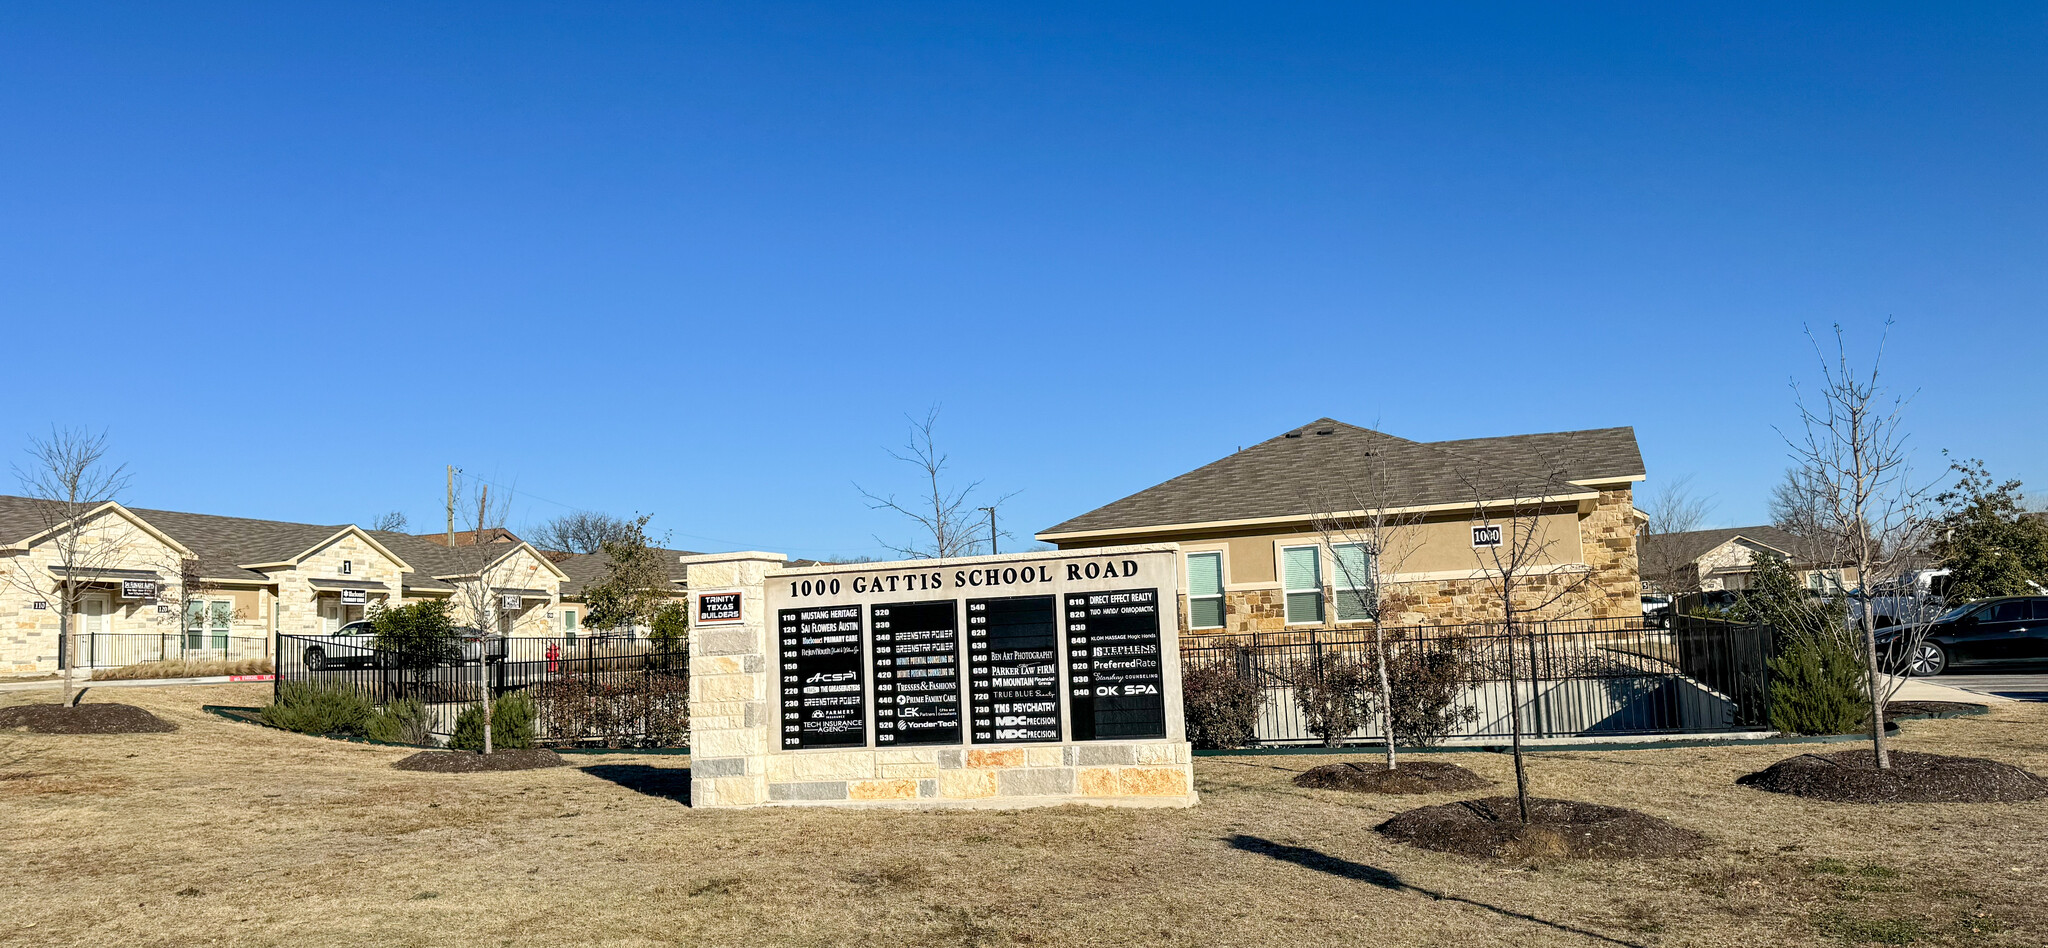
column 2030, row 685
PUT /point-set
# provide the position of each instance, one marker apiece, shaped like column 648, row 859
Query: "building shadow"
column 1380, row 878
column 671, row 783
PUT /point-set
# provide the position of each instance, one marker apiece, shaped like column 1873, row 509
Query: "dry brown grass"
column 283, row 839
column 185, row 668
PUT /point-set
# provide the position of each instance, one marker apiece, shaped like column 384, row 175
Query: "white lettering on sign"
column 718, row 607
column 1486, row 534
column 354, row 597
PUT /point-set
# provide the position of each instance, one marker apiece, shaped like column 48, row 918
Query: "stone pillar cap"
column 748, row 556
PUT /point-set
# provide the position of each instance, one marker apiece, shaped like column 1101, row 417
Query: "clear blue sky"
column 700, row 260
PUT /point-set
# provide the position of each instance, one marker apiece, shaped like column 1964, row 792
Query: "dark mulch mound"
column 82, row 719
column 1852, row 776
column 1557, row 829
column 1421, row 776
column 1901, row 710
column 468, row 762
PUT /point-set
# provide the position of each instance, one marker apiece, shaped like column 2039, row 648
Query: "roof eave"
column 1053, row 537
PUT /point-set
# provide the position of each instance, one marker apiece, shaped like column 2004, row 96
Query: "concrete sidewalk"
column 57, row 684
column 1920, row 689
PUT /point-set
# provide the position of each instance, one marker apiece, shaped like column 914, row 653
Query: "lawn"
column 226, row 833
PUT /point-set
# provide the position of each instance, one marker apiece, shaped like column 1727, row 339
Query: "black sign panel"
column 917, row 673
column 822, row 702
column 1116, row 674
column 138, row 589
column 1013, row 669
column 718, row 607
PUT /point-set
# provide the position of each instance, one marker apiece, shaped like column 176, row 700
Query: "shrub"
column 511, row 725
column 1818, row 685
column 1333, row 691
column 310, row 708
column 1428, row 684
column 1222, row 707
column 400, row 722
column 649, row 708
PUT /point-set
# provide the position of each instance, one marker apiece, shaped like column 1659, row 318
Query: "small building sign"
column 42, row 604
column 509, row 602
column 1485, row 535
column 715, row 608
column 144, row 589
column 354, row 597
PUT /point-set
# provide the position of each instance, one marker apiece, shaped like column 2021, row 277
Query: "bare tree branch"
column 947, row 524
column 67, row 477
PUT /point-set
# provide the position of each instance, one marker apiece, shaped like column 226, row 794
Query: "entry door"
column 92, row 623
column 330, row 616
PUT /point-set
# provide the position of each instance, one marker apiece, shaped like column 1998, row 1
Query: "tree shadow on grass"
column 1375, row 876
column 672, row 783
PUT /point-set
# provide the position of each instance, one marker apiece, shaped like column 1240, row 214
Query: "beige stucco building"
column 1288, row 534
column 160, row 583
column 1725, row 559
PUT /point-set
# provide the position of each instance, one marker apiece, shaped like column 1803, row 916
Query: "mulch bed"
column 1852, row 776
column 82, row 719
column 1557, row 829
column 469, row 762
column 1420, row 776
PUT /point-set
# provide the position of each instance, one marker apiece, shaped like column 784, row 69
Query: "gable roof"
column 26, row 520
column 1317, row 468
column 586, row 568
column 1691, row 545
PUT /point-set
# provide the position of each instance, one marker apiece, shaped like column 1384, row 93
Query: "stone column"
column 732, row 714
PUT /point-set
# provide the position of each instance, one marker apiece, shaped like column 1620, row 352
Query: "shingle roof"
column 224, row 544
column 587, row 568
column 1321, row 467
column 1693, row 544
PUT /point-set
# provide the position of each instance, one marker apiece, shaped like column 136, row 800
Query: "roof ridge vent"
column 1294, row 434
column 1325, row 431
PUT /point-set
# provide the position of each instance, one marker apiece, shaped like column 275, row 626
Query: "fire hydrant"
column 554, row 657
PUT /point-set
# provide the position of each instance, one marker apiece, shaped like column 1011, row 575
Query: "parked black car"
column 1988, row 631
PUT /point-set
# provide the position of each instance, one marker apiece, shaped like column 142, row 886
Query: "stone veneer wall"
column 1607, row 541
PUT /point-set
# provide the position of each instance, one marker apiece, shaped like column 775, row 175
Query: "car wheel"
column 316, row 659
column 1928, row 659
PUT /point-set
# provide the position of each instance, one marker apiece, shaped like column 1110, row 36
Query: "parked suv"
column 1988, row 631
column 355, row 645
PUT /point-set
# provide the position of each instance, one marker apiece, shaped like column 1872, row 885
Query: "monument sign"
column 1018, row 680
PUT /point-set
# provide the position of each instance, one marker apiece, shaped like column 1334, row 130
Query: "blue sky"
column 701, row 260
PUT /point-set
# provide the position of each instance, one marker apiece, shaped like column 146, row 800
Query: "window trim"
column 1223, row 621
column 1337, row 576
column 1286, row 605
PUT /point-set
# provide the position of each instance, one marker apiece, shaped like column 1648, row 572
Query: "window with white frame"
column 1205, row 590
column 208, row 619
column 1357, row 600
column 1301, row 574
column 569, row 623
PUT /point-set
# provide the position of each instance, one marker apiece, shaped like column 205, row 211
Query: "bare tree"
column 1797, row 504
column 1369, row 538
column 1518, row 560
column 586, row 531
column 390, row 521
column 1673, row 509
column 1852, row 479
column 479, row 592
column 67, row 477
column 948, row 525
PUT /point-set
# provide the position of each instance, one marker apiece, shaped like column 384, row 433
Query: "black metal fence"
column 605, row 690
column 120, row 649
column 1573, row 678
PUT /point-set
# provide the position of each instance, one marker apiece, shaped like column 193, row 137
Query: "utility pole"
column 991, row 529
column 451, row 506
